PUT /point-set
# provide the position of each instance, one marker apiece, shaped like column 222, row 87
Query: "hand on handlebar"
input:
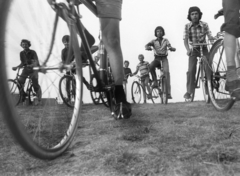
column 148, row 48
column 172, row 49
column 220, row 13
column 14, row 68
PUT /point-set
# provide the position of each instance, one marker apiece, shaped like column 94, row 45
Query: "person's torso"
column 143, row 68
column 65, row 56
column 28, row 57
column 160, row 47
column 197, row 33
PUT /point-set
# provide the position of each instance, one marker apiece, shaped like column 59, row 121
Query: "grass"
column 182, row 139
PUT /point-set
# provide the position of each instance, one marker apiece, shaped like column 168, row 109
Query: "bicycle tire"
column 164, row 90
column 104, row 99
column 136, row 92
column 15, row 91
column 204, row 83
column 68, row 96
column 156, row 97
column 49, row 128
column 220, row 98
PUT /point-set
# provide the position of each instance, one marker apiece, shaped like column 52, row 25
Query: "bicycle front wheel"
column 136, row 92
column 204, row 83
column 15, row 91
column 67, row 90
column 220, row 97
column 45, row 130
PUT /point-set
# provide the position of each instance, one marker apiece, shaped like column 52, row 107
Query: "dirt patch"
column 174, row 139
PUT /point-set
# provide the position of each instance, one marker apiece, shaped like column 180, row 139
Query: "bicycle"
column 201, row 77
column 220, row 97
column 138, row 92
column 22, row 93
column 46, row 132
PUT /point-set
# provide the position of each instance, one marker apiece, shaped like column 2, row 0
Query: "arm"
column 134, row 73
column 209, row 33
column 170, row 47
column 149, row 45
column 187, row 47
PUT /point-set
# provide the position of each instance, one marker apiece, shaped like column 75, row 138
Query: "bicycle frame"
column 101, row 79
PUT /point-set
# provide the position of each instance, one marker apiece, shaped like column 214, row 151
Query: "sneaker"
column 187, row 95
column 169, row 96
column 122, row 110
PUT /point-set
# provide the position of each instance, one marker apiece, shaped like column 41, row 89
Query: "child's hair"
column 25, row 41
column 159, row 27
column 126, row 61
column 141, row 55
column 194, row 9
column 65, row 38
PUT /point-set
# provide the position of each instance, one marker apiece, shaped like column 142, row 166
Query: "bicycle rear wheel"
column 15, row 92
column 46, row 130
column 137, row 92
column 164, row 90
column 220, row 98
column 67, row 90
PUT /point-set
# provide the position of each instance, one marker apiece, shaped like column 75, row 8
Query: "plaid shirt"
column 197, row 34
column 160, row 47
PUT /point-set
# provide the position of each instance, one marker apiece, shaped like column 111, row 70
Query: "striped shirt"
column 143, row 68
column 197, row 34
column 160, row 46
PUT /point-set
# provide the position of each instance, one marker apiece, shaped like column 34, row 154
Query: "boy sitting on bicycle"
column 232, row 32
column 160, row 46
column 143, row 67
column 194, row 32
column 29, row 59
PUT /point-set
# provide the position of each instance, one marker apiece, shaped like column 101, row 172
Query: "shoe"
column 169, row 96
column 122, row 110
column 187, row 95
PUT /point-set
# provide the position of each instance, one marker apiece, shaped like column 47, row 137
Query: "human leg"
column 231, row 28
column 192, row 62
column 165, row 66
column 109, row 23
column 155, row 63
column 36, row 86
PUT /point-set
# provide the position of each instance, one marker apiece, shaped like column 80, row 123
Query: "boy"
column 160, row 46
column 194, row 32
column 29, row 59
column 232, row 32
column 143, row 67
column 127, row 71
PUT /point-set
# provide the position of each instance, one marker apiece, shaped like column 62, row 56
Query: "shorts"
column 231, row 14
column 109, row 8
column 144, row 77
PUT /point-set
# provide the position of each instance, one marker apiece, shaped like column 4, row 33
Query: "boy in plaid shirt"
column 194, row 32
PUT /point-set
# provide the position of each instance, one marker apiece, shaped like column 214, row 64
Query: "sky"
column 141, row 17
column 139, row 20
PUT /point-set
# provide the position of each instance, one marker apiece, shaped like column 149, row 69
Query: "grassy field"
column 178, row 139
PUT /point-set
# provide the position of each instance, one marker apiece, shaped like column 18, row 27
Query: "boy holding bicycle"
column 143, row 67
column 29, row 59
column 160, row 46
column 194, row 32
column 232, row 32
